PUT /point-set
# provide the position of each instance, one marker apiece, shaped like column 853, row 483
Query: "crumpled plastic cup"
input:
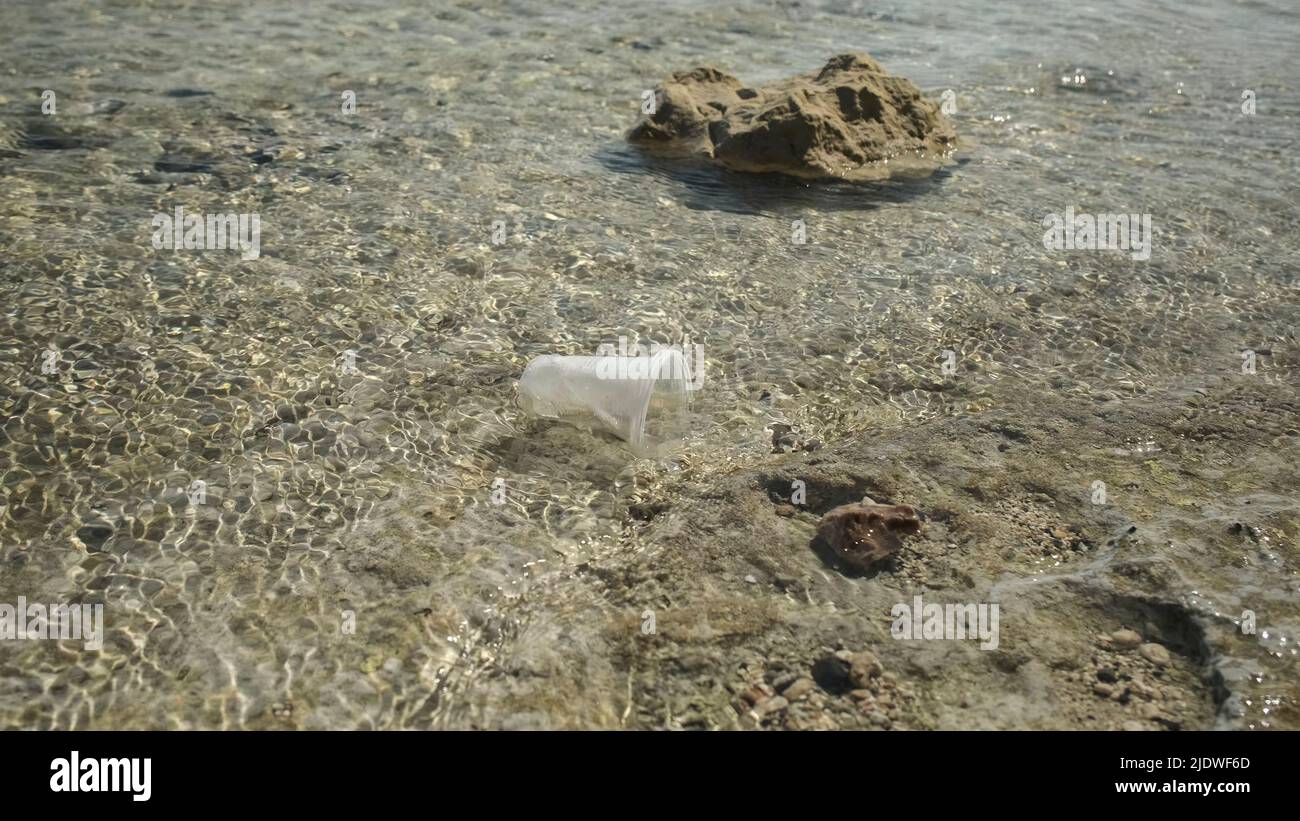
column 643, row 400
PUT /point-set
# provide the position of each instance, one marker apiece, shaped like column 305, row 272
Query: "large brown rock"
column 851, row 120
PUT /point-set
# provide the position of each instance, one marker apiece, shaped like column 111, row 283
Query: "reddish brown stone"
column 861, row 534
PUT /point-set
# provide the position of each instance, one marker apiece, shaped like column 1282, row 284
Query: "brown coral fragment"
column 863, row 533
column 850, row 120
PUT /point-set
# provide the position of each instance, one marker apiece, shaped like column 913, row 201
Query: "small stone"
column 286, row 412
column 818, row 721
column 863, row 667
column 772, row 705
column 1108, row 675
column 799, row 689
column 1102, row 689
column 94, row 535
column 862, row 534
column 1134, row 726
column 1152, row 630
column 832, row 673
column 786, row 511
column 789, row 583
column 1155, row 653
column 1169, row 722
column 758, row 693
column 1125, row 639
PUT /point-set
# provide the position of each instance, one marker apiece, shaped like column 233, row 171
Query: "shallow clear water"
column 331, row 491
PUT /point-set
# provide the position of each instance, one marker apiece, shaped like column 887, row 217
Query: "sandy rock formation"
column 850, row 120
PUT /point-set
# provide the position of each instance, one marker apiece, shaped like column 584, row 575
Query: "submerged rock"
column 1157, row 654
column 851, row 120
column 862, row 534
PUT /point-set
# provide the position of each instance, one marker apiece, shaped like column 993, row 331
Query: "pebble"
column 1141, row 688
column 863, row 667
column 286, row 412
column 799, row 689
column 1125, row 639
column 94, row 535
column 831, row 672
column 758, row 693
column 772, row 705
column 790, row 583
column 1155, row 653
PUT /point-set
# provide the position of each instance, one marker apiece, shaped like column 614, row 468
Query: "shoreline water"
column 384, row 541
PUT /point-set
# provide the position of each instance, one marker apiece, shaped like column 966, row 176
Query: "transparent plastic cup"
column 643, row 400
